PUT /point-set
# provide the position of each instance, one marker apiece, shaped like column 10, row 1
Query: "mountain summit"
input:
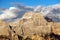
column 15, row 13
column 32, row 26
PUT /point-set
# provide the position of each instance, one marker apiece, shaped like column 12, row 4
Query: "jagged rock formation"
column 6, row 33
column 32, row 26
column 4, row 30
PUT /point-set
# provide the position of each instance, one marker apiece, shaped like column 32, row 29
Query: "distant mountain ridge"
column 15, row 13
column 52, row 11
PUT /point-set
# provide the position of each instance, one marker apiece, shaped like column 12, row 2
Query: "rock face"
column 35, row 24
column 4, row 29
column 56, row 28
column 32, row 26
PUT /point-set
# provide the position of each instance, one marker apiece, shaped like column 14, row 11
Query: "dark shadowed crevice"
column 28, row 38
column 20, row 37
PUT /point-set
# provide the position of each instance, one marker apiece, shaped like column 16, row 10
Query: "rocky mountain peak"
column 32, row 26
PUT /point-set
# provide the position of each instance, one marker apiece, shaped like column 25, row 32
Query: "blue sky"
column 7, row 3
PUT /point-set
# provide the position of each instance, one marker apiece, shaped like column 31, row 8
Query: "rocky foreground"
column 32, row 26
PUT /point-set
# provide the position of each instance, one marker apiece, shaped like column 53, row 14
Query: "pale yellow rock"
column 56, row 28
column 27, row 15
column 14, row 37
column 36, row 37
column 32, row 23
column 4, row 28
column 36, row 24
column 38, row 19
column 16, row 27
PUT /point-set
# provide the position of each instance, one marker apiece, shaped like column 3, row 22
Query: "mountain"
column 15, row 13
column 52, row 11
column 32, row 26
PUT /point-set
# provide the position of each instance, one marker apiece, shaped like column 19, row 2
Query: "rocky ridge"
column 32, row 26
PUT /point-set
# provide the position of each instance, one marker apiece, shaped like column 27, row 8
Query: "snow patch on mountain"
column 15, row 13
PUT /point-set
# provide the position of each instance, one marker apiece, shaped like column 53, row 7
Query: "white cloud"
column 7, row 14
column 14, row 13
